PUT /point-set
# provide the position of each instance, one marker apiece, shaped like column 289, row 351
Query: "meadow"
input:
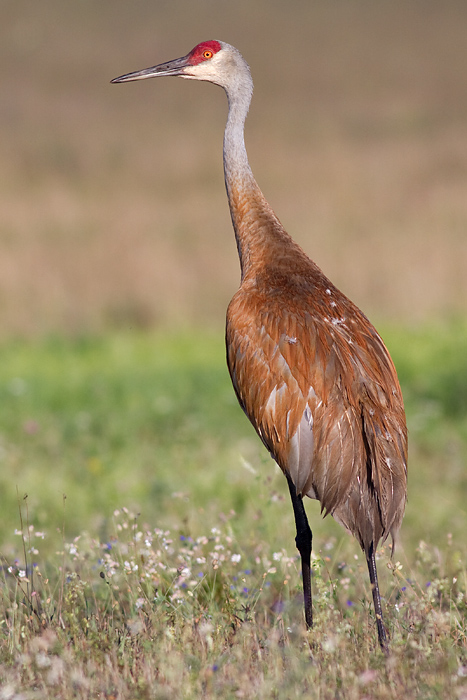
column 146, row 537
column 148, row 540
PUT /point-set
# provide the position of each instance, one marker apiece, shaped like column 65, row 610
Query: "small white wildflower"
column 235, row 558
column 130, row 566
column 139, row 603
column 277, row 556
column 42, row 660
column 329, row 644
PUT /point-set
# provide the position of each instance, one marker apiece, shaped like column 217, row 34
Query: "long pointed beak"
column 175, row 67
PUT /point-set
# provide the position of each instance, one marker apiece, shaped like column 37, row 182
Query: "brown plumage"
column 317, row 383
column 309, row 370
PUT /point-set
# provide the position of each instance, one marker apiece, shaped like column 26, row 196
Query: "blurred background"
column 118, row 260
column 112, row 204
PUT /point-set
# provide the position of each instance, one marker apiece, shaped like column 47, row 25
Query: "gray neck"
column 243, row 192
column 237, row 170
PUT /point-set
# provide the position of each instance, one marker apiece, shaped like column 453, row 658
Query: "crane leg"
column 303, row 542
column 371, row 561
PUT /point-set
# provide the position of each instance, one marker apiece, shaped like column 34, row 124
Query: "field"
column 147, row 539
column 153, row 553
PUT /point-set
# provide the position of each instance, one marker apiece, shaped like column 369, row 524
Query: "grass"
column 169, row 570
column 113, row 418
column 149, row 614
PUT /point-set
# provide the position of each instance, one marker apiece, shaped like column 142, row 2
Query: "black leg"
column 303, row 542
column 370, row 557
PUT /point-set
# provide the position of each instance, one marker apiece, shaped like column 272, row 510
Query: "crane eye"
column 207, row 54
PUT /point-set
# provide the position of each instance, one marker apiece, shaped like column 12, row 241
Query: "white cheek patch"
column 207, row 70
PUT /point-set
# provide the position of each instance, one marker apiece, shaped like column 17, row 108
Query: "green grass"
column 109, row 420
column 169, row 570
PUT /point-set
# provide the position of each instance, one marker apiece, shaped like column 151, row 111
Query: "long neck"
column 257, row 230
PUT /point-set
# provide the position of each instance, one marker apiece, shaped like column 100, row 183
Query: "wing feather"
column 315, row 387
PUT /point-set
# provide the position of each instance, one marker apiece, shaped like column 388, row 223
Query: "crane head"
column 213, row 61
column 199, row 64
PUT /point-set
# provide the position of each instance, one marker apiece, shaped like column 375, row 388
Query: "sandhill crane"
column 308, row 368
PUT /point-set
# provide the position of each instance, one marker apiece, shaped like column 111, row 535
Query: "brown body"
column 316, row 381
